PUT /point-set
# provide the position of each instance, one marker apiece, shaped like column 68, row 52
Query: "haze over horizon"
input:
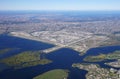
column 60, row 5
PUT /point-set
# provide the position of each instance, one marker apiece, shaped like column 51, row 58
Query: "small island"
column 25, row 59
column 101, row 57
column 96, row 72
column 53, row 74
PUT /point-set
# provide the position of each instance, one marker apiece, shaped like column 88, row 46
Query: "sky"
column 59, row 4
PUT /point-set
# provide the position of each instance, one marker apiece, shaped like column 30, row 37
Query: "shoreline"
column 29, row 37
column 57, row 46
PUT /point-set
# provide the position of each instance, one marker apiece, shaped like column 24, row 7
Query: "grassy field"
column 115, row 55
column 25, row 59
column 95, row 58
column 53, row 74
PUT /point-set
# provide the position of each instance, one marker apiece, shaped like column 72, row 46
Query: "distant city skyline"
column 59, row 4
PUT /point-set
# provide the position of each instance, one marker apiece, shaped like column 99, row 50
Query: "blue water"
column 20, row 45
column 62, row 58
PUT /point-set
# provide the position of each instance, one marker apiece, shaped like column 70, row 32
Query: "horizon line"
column 59, row 10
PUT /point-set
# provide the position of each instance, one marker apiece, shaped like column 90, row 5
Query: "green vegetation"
column 53, row 74
column 25, row 59
column 34, row 63
column 74, row 65
column 101, row 57
column 115, row 55
column 5, row 50
column 112, row 74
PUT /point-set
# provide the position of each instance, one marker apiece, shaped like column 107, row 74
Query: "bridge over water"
column 52, row 49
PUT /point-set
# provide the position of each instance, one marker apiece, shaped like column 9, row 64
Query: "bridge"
column 51, row 49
